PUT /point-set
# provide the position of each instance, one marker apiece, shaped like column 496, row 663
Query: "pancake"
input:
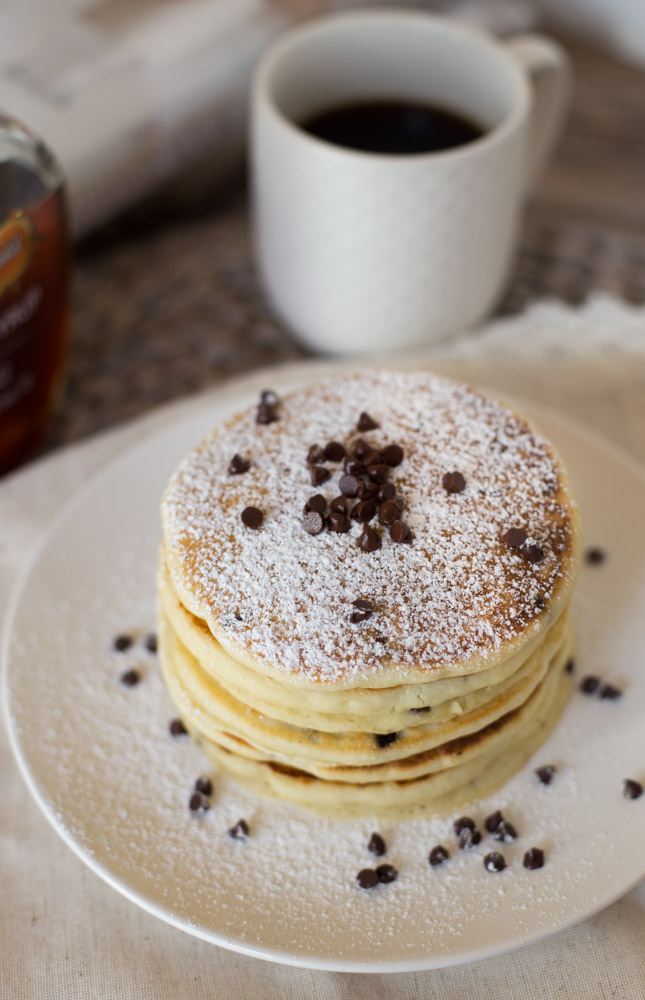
column 464, row 561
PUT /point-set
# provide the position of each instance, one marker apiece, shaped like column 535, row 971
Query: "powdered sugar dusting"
column 457, row 593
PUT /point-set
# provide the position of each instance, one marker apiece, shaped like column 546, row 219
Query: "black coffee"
column 395, row 127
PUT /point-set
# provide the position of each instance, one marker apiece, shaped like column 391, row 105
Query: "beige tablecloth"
column 64, row 934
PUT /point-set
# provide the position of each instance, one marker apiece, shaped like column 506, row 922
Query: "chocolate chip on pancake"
column 238, row 465
column 348, row 485
column 590, row 684
column 130, row 678
column 463, row 823
column 361, row 447
column 392, row 455
column 177, row 728
column 378, row 472
column 362, row 611
column 252, row 517
column 384, row 739
column 338, row 522
column 354, row 467
column 338, row 505
column 376, row 845
column 540, row 603
column 318, row 474
column 505, row 832
column 364, row 511
column 198, row 803
column 367, row 490
column 373, row 457
column 400, row 532
column 492, row 822
column 494, row 862
column 366, row 423
column 438, row 855
column 533, row 553
column 122, row 642
column 386, row 873
column 367, row 878
column 204, row 785
column 151, row 642
column 453, row 482
column 334, row 451
column 267, row 407
column 369, row 540
column 315, row 455
column 545, row 773
column 533, row 858
column 389, row 512
column 386, row 491
column 420, row 709
column 468, row 838
column 609, row 692
column 313, row 522
column 240, row 830
column 632, row 789
column 515, row 537
column 317, row 502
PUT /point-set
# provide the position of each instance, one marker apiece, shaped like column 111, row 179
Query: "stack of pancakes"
column 364, row 594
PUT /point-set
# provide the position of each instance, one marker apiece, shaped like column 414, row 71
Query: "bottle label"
column 15, row 249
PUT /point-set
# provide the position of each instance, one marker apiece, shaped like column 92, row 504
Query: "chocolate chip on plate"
column 589, row 684
column 362, row 611
column 252, row 517
column 130, row 678
column 515, row 537
column 177, row 728
column 492, row 822
column 318, row 474
column 494, row 862
column 313, row 522
column 533, row 858
column 240, row 831
column 368, row 540
column 438, row 855
column 545, row 773
column 198, row 803
column 384, row 739
column 338, row 522
column 122, row 642
column 238, row 465
column 348, row 485
column 595, row 556
column 453, row 482
column 392, row 455
column 386, row 873
column 315, row 455
column 376, row 845
column 366, row 423
column 334, row 451
column 367, row 878
column 632, row 789
column 204, row 785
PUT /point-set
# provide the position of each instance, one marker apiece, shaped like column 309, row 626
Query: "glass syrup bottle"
column 34, row 290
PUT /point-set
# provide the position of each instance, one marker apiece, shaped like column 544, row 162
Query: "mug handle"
column 548, row 68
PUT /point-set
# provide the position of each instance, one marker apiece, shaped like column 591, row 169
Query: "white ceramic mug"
column 365, row 253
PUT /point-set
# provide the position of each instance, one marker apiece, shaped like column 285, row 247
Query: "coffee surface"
column 392, row 127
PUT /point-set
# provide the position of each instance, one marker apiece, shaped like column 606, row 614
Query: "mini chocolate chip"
column 315, row 455
column 151, row 643
column 494, row 862
column 338, row 505
column 392, row 455
column 130, row 678
column 313, row 522
column 240, row 831
column 318, row 474
column 266, row 414
column 334, row 451
column 373, row 457
column 453, row 482
column 269, row 398
column 438, row 855
column 384, row 739
column 632, row 789
column 492, row 822
column 238, row 465
column 422, row 708
column 348, row 485
column 515, row 537
column 595, row 556
column 364, row 511
column 376, row 845
column 338, row 522
column 368, row 540
column 317, row 502
column 377, row 472
column 367, row 490
column 177, row 728
column 361, row 447
column 589, row 684
column 540, row 603
column 204, row 785
column 364, row 610
column 533, row 858
column 366, row 423
column 468, row 838
column 569, row 666
column 252, row 518
column 386, row 873
column 532, row 553
column 399, row 532
column 354, row 467
column 386, row 491
column 608, row 692
column 367, row 878
column 122, row 642
column 388, row 512
column 198, row 803
column 545, row 774
column 505, row 832
column 463, row 823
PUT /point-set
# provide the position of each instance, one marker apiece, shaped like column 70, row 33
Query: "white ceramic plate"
column 100, row 761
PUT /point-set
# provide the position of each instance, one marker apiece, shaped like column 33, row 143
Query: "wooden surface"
column 167, row 300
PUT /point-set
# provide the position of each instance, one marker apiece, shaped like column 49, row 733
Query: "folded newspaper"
column 131, row 93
